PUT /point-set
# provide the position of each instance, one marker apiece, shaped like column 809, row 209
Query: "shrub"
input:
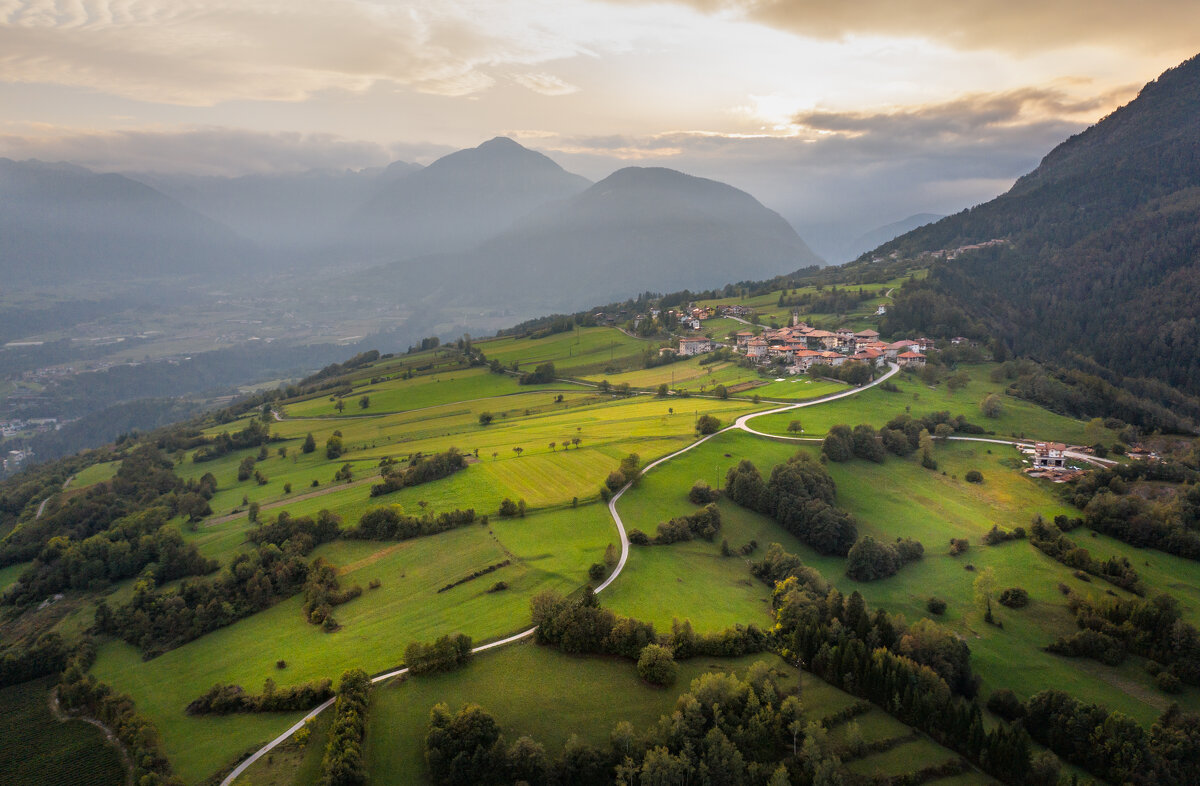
column 1014, row 598
column 708, row 424
column 499, row 586
column 638, row 538
column 615, row 480
column 1168, row 682
column 596, row 571
column 1005, row 703
column 702, row 493
column 936, row 606
column 656, row 665
column 959, row 546
column 974, row 476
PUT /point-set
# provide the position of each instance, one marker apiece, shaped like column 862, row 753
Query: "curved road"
column 741, row 424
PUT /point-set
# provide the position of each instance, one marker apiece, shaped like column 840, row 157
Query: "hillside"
column 1103, row 253
column 456, row 202
column 638, row 229
column 61, row 223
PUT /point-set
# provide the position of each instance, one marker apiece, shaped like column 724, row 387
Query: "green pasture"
column 900, row 499
column 402, row 395
column 798, row 388
column 10, row 574
column 548, row 551
column 580, row 351
column 682, row 375
column 96, row 473
column 877, row 406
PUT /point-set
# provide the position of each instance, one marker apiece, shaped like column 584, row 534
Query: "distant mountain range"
column 638, row 229
column 497, row 225
column 1101, row 251
column 61, row 223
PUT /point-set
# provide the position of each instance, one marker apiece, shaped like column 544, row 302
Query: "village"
column 797, row 348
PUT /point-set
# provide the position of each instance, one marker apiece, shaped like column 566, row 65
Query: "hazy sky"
column 832, row 112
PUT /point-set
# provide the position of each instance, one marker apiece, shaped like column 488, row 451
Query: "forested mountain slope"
column 1103, row 251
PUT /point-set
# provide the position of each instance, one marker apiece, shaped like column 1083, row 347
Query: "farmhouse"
column 1049, row 455
column 911, row 359
column 756, row 348
column 694, row 346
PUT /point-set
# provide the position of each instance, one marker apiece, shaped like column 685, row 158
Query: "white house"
column 694, row 346
column 1049, row 455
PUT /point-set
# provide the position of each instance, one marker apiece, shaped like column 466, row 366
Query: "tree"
column 518, row 450
column 309, row 445
column 795, row 427
column 340, row 406
column 333, row 447
column 656, row 665
column 707, row 424
column 985, row 588
column 663, row 390
column 252, row 512
column 992, row 406
column 720, row 391
column 575, row 441
column 364, row 402
column 838, row 444
column 485, row 418
column 958, row 381
column 925, row 445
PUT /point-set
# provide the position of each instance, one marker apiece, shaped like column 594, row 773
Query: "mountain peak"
column 502, row 143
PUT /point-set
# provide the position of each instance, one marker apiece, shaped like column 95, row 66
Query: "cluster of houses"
column 800, row 347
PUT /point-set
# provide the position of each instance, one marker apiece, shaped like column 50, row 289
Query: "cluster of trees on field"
column 421, row 469
column 582, row 625
column 704, row 523
column 390, row 523
column 543, row 374
column 1050, row 540
column 323, row 591
column 135, row 544
column 343, row 763
column 725, row 729
column 1113, row 746
column 446, row 654
column 1151, row 628
column 800, row 496
column 870, row 559
column 902, row 436
column 157, row 620
column 1110, row 506
column 255, row 433
column 226, row 699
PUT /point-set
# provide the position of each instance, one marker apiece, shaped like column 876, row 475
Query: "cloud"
column 545, row 84
column 204, row 150
column 208, row 51
column 1007, row 25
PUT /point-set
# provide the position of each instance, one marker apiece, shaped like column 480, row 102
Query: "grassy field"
column 578, row 352
column 877, row 406
column 94, row 474
column 901, row 499
column 38, row 750
column 548, row 551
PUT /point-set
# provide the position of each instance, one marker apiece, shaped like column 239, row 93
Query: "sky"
column 842, row 116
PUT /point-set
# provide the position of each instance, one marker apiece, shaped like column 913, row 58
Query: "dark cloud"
column 1008, row 25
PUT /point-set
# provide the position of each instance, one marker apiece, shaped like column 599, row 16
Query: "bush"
column 959, row 546
column 1014, row 598
column 615, row 480
column 1005, row 703
column 596, row 571
column 708, row 424
column 656, row 665
column 702, row 493
column 974, row 476
column 1168, row 682
column 936, row 606
column 499, row 586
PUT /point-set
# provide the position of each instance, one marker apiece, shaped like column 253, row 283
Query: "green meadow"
column 553, row 446
column 898, row 499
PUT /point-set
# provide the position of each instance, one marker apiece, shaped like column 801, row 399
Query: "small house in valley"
column 697, row 345
column 1049, row 455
